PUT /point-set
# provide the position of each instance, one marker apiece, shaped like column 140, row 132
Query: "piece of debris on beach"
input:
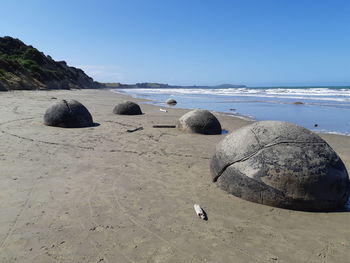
column 200, row 212
column 164, row 126
column 136, row 129
column 163, row 110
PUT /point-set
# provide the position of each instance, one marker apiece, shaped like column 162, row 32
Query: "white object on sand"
column 163, row 110
column 199, row 211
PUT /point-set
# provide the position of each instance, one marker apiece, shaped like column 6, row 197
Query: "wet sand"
column 101, row 194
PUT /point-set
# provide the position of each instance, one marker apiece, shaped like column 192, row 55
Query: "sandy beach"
column 102, row 194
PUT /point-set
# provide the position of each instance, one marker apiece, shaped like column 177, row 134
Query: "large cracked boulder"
column 68, row 114
column 127, row 108
column 283, row 165
column 199, row 121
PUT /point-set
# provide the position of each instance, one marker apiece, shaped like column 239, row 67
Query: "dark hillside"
column 23, row 67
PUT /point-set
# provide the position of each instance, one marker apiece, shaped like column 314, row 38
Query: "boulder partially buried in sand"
column 199, row 121
column 127, row 108
column 283, row 165
column 171, row 102
column 68, row 114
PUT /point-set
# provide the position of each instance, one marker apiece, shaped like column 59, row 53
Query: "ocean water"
column 323, row 109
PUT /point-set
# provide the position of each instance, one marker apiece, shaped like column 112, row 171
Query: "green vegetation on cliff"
column 24, row 67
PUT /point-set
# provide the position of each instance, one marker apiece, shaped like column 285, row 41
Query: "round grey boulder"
column 68, row 114
column 127, row 108
column 171, row 102
column 283, row 165
column 199, row 121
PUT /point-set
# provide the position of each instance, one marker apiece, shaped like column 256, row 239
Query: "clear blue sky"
column 252, row 42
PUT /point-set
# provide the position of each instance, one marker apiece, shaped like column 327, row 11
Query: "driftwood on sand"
column 164, row 126
column 200, row 212
column 136, row 129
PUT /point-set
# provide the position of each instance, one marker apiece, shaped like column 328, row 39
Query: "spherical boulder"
column 199, row 121
column 127, row 108
column 171, row 102
column 68, row 114
column 283, row 165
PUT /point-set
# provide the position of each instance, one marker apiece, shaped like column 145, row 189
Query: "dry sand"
column 101, row 194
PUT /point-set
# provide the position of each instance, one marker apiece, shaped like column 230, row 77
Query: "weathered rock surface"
column 199, row 121
column 127, row 108
column 68, row 114
column 171, row 102
column 283, row 165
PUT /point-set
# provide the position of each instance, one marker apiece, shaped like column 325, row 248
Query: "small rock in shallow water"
column 171, row 102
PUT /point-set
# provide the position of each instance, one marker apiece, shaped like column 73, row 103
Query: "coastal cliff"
column 23, row 67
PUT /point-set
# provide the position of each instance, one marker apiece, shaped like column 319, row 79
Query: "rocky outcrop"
column 283, row 165
column 23, row 67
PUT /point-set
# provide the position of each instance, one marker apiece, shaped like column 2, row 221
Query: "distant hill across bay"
column 23, row 67
column 148, row 85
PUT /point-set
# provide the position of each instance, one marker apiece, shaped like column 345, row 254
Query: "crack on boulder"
column 260, row 147
column 69, row 109
column 259, row 150
column 256, row 138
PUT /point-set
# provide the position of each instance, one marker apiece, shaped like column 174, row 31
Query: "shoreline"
column 100, row 193
column 244, row 117
column 150, row 102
